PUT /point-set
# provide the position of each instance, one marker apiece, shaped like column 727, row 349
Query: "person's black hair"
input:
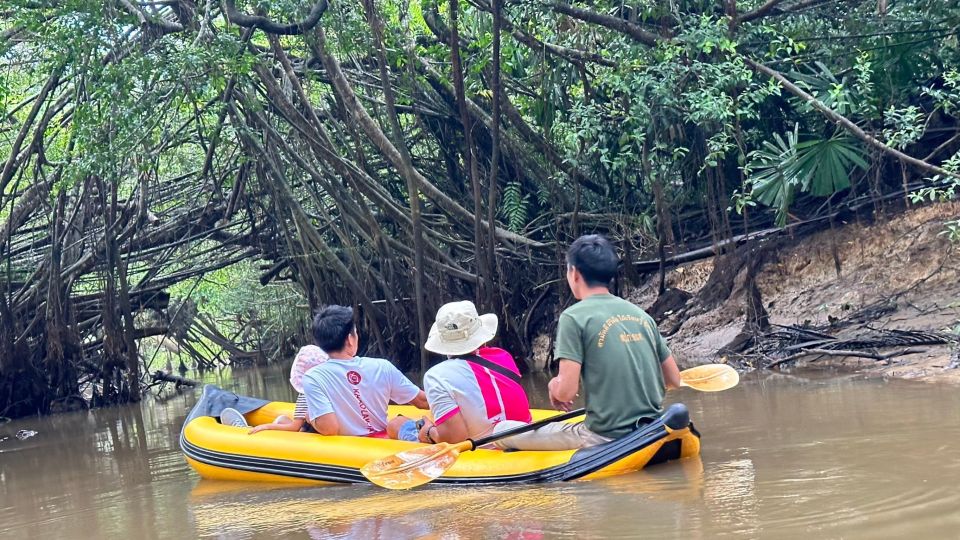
column 593, row 256
column 331, row 326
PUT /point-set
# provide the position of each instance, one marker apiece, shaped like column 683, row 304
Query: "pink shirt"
column 483, row 397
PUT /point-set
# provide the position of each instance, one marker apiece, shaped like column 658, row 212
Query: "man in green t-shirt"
column 614, row 346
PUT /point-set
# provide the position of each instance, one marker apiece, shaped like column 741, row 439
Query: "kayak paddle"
column 710, row 377
column 421, row 465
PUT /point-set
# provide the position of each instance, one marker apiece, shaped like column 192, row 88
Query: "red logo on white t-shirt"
column 353, row 377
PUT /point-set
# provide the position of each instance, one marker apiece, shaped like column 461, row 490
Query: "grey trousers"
column 556, row 436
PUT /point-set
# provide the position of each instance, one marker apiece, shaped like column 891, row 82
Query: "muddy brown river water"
column 784, row 456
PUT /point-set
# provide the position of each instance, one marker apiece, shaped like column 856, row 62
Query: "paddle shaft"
column 696, row 384
column 525, row 428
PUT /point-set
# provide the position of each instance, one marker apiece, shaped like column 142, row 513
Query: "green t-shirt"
column 619, row 350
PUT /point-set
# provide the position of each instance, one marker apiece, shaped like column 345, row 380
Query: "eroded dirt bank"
column 900, row 273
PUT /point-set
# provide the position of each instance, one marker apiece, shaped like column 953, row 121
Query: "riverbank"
column 900, row 273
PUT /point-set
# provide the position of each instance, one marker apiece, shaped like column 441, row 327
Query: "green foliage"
column 820, row 167
column 943, row 193
column 766, row 171
column 821, row 83
column 905, row 126
column 947, row 98
column 952, row 230
column 514, row 206
column 824, row 166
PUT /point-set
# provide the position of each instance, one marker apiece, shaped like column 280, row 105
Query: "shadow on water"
column 784, row 456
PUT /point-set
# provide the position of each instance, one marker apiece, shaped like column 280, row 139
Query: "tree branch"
column 844, row 353
column 382, row 142
column 845, row 123
column 269, row 26
column 575, row 56
column 633, row 30
column 767, row 7
column 770, row 8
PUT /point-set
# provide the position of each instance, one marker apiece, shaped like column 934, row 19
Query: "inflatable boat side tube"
column 582, row 462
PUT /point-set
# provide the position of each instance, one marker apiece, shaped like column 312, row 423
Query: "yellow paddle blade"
column 412, row 468
column 710, row 377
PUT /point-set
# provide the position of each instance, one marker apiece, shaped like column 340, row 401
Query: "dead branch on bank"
column 800, row 342
column 843, row 353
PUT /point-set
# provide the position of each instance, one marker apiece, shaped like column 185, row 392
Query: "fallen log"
column 844, row 352
column 161, row 376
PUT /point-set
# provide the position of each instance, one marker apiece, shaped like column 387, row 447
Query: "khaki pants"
column 557, row 436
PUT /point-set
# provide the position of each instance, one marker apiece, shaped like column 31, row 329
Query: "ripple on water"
column 866, row 516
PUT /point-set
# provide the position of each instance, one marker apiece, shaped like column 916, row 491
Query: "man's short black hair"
column 593, row 256
column 331, row 326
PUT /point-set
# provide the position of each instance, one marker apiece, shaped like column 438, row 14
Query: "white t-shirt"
column 483, row 397
column 357, row 391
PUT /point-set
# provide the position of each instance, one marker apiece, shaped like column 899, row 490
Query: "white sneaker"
column 232, row 417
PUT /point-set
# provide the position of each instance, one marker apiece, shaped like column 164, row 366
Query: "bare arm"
column 293, row 425
column 452, row 430
column 326, row 424
column 564, row 387
column 419, row 402
column 671, row 373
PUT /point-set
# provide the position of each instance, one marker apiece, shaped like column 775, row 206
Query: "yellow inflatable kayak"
column 221, row 452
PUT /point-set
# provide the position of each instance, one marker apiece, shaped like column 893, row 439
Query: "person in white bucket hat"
column 458, row 329
column 476, row 387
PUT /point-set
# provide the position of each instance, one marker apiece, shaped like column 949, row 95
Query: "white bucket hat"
column 459, row 330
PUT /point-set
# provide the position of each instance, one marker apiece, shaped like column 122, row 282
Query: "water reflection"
column 730, row 497
column 238, row 510
column 365, row 512
column 783, row 456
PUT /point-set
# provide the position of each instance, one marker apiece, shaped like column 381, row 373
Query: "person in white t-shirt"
column 476, row 387
column 349, row 394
